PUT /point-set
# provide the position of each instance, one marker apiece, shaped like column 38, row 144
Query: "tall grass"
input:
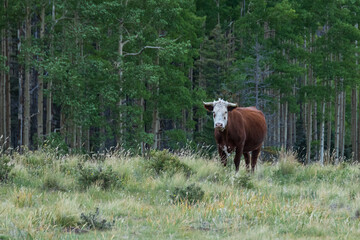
column 45, row 197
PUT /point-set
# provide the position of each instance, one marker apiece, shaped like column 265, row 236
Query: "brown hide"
column 244, row 133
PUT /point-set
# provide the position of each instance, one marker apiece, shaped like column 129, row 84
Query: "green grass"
column 45, row 195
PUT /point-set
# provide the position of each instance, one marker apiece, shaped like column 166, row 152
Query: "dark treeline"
column 88, row 75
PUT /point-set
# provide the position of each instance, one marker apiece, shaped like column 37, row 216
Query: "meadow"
column 44, row 195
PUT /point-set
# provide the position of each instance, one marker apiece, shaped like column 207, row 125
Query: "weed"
column 93, row 221
column 286, row 166
column 190, row 194
column 5, row 168
column 243, row 180
column 66, row 212
column 54, row 182
column 163, row 161
column 56, row 143
column 103, row 177
column 23, row 198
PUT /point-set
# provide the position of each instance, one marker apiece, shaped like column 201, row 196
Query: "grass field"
column 45, row 196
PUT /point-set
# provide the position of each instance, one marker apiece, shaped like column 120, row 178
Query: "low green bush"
column 54, row 182
column 5, row 168
column 103, row 177
column 243, row 180
column 163, row 161
column 190, row 194
column 93, row 221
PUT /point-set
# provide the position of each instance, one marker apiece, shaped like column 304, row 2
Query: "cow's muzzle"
column 220, row 126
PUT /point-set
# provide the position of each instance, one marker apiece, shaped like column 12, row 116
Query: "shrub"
column 103, row 177
column 93, row 221
column 163, row 161
column 66, row 213
column 243, row 180
column 190, row 194
column 23, row 198
column 5, row 168
column 54, row 182
column 287, row 163
column 56, row 143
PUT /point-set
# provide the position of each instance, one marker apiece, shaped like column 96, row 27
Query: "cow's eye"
column 214, row 114
column 224, row 118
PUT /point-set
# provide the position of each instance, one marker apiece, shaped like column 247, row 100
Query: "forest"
column 93, row 75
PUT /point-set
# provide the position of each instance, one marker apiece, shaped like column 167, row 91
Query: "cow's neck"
column 222, row 136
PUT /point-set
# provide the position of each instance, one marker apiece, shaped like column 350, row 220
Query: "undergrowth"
column 50, row 196
column 165, row 162
column 191, row 194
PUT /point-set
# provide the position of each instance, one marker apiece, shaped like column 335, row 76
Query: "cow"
column 239, row 129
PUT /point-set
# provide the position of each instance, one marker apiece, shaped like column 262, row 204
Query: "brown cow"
column 237, row 128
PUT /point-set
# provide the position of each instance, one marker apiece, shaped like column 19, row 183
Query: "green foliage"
column 53, row 182
column 23, row 198
column 103, row 177
column 5, row 168
column 95, row 222
column 243, row 180
column 56, row 143
column 165, row 162
column 210, row 202
column 191, row 194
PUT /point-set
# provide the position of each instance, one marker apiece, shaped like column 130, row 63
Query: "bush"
column 54, row 182
column 190, row 194
column 163, row 161
column 66, row 212
column 23, row 198
column 104, row 178
column 287, row 163
column 243, row 181
column 93, row 221
column 56, row 143
column 5, row 168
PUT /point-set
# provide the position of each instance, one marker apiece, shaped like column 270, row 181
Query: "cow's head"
column 220, row 111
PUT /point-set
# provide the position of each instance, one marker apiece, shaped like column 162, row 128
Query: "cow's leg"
column 247, row 160
column 223, row 156
column 238, row 154
column 254, row 157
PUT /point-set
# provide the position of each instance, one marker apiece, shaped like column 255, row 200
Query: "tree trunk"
column 342, row 122
column 27, row 80
column 40, row 103
column 278, row 122
column 315, row 132
column 20, row 107
column 328, row 144
column 322, row 131
column 337, row 128
column 121, row 43
column 354, row 123
column 156, row 118
column 309, row 134
column 156, row 125
column 79, row 137
column 87, row 140
column 358, row 129
column 49, row 85
column 7, row 87
column 285, row 124
column 2, row 95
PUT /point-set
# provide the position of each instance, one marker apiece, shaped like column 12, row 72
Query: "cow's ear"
column 209, row 106
column 231, row 107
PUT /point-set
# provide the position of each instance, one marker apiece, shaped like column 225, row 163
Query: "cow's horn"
column 208, row 103
column 232, row 104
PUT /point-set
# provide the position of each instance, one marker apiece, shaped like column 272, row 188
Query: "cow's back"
column 247, row 126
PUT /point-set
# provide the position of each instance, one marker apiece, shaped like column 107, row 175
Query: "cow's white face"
column 220, row 111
